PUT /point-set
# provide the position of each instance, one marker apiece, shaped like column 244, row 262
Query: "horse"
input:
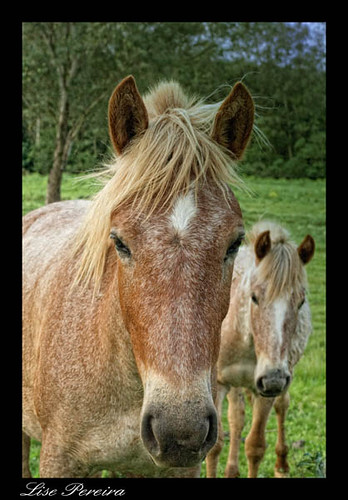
column 124, row 295
column 263, row 336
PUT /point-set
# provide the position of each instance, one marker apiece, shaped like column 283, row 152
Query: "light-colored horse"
column 263, row 336
column 124, row 296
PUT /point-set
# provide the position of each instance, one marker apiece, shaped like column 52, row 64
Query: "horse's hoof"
column 281, row 473
column 232, row 472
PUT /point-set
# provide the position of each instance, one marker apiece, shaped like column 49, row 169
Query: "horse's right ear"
column 306, row 249
column 234, row 120
column 127, row 114
column 262, row 245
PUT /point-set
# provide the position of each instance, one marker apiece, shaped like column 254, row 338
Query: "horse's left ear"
column 306, row 249
column 127, row 114
column 234, row 120
column 262, row 245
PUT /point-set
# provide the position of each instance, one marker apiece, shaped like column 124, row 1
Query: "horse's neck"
column 236, row 329
column 241, row 311
column 240, row 294
column 237, row 354
column 303, row 331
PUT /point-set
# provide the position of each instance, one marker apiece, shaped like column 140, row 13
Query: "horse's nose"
column 273, row 383
column 177, row 445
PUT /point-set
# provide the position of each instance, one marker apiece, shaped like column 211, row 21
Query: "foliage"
column 283, row 64
column 286, row 201
column 315, row 463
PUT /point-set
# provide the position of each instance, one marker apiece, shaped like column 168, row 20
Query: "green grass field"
column 299, row 205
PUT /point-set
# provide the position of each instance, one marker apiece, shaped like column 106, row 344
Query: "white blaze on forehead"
column 279, row 310
column 184, row 210
column 271, row 358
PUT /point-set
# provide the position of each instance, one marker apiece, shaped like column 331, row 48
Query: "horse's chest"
column 237, row 361
column 238, row 374
column 115, row 444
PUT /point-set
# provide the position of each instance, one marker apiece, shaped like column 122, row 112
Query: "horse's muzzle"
column 273, row 383
column 175, row 442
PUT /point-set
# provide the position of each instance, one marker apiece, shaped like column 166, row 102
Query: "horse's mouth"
column 185, row 459
column 270, row 394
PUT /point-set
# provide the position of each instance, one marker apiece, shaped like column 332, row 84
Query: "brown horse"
column 263, row 336
column 124, row 296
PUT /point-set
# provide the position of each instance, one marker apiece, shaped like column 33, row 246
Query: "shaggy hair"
column 281, row 268
column 173, row 155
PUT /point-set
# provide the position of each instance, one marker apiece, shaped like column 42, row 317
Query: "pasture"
column 299, row 205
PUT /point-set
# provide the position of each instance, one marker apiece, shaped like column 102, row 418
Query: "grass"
column 298, row 204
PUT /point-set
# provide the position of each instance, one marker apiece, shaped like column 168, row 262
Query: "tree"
column 68, row 69
column 284, row 65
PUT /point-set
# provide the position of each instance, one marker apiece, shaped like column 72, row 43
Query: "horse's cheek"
column 124, row 286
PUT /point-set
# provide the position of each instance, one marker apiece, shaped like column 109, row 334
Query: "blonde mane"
column 173, row 155
column 281, row 268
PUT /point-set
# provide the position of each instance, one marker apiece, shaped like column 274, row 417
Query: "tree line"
column 70, row 70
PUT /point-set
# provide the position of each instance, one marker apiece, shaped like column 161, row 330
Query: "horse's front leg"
column 58, row 460
column 281, row 406
column 255, row 443
column 236, row 418
column 25, row 455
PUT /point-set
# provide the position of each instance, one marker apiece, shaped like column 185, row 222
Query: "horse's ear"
column 262, row 245
column 306, row 249
column 234, row 120
column 127, row 114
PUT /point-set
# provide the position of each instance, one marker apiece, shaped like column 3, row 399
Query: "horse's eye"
column 233, row 248
column 254, row 299
column 121, row 248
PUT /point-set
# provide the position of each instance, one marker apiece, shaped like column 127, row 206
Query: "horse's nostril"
column 259, row 384
column 148, row 435
column 211, row 436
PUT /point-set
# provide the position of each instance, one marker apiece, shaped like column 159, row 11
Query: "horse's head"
column 278, row 303
column 175, row 260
